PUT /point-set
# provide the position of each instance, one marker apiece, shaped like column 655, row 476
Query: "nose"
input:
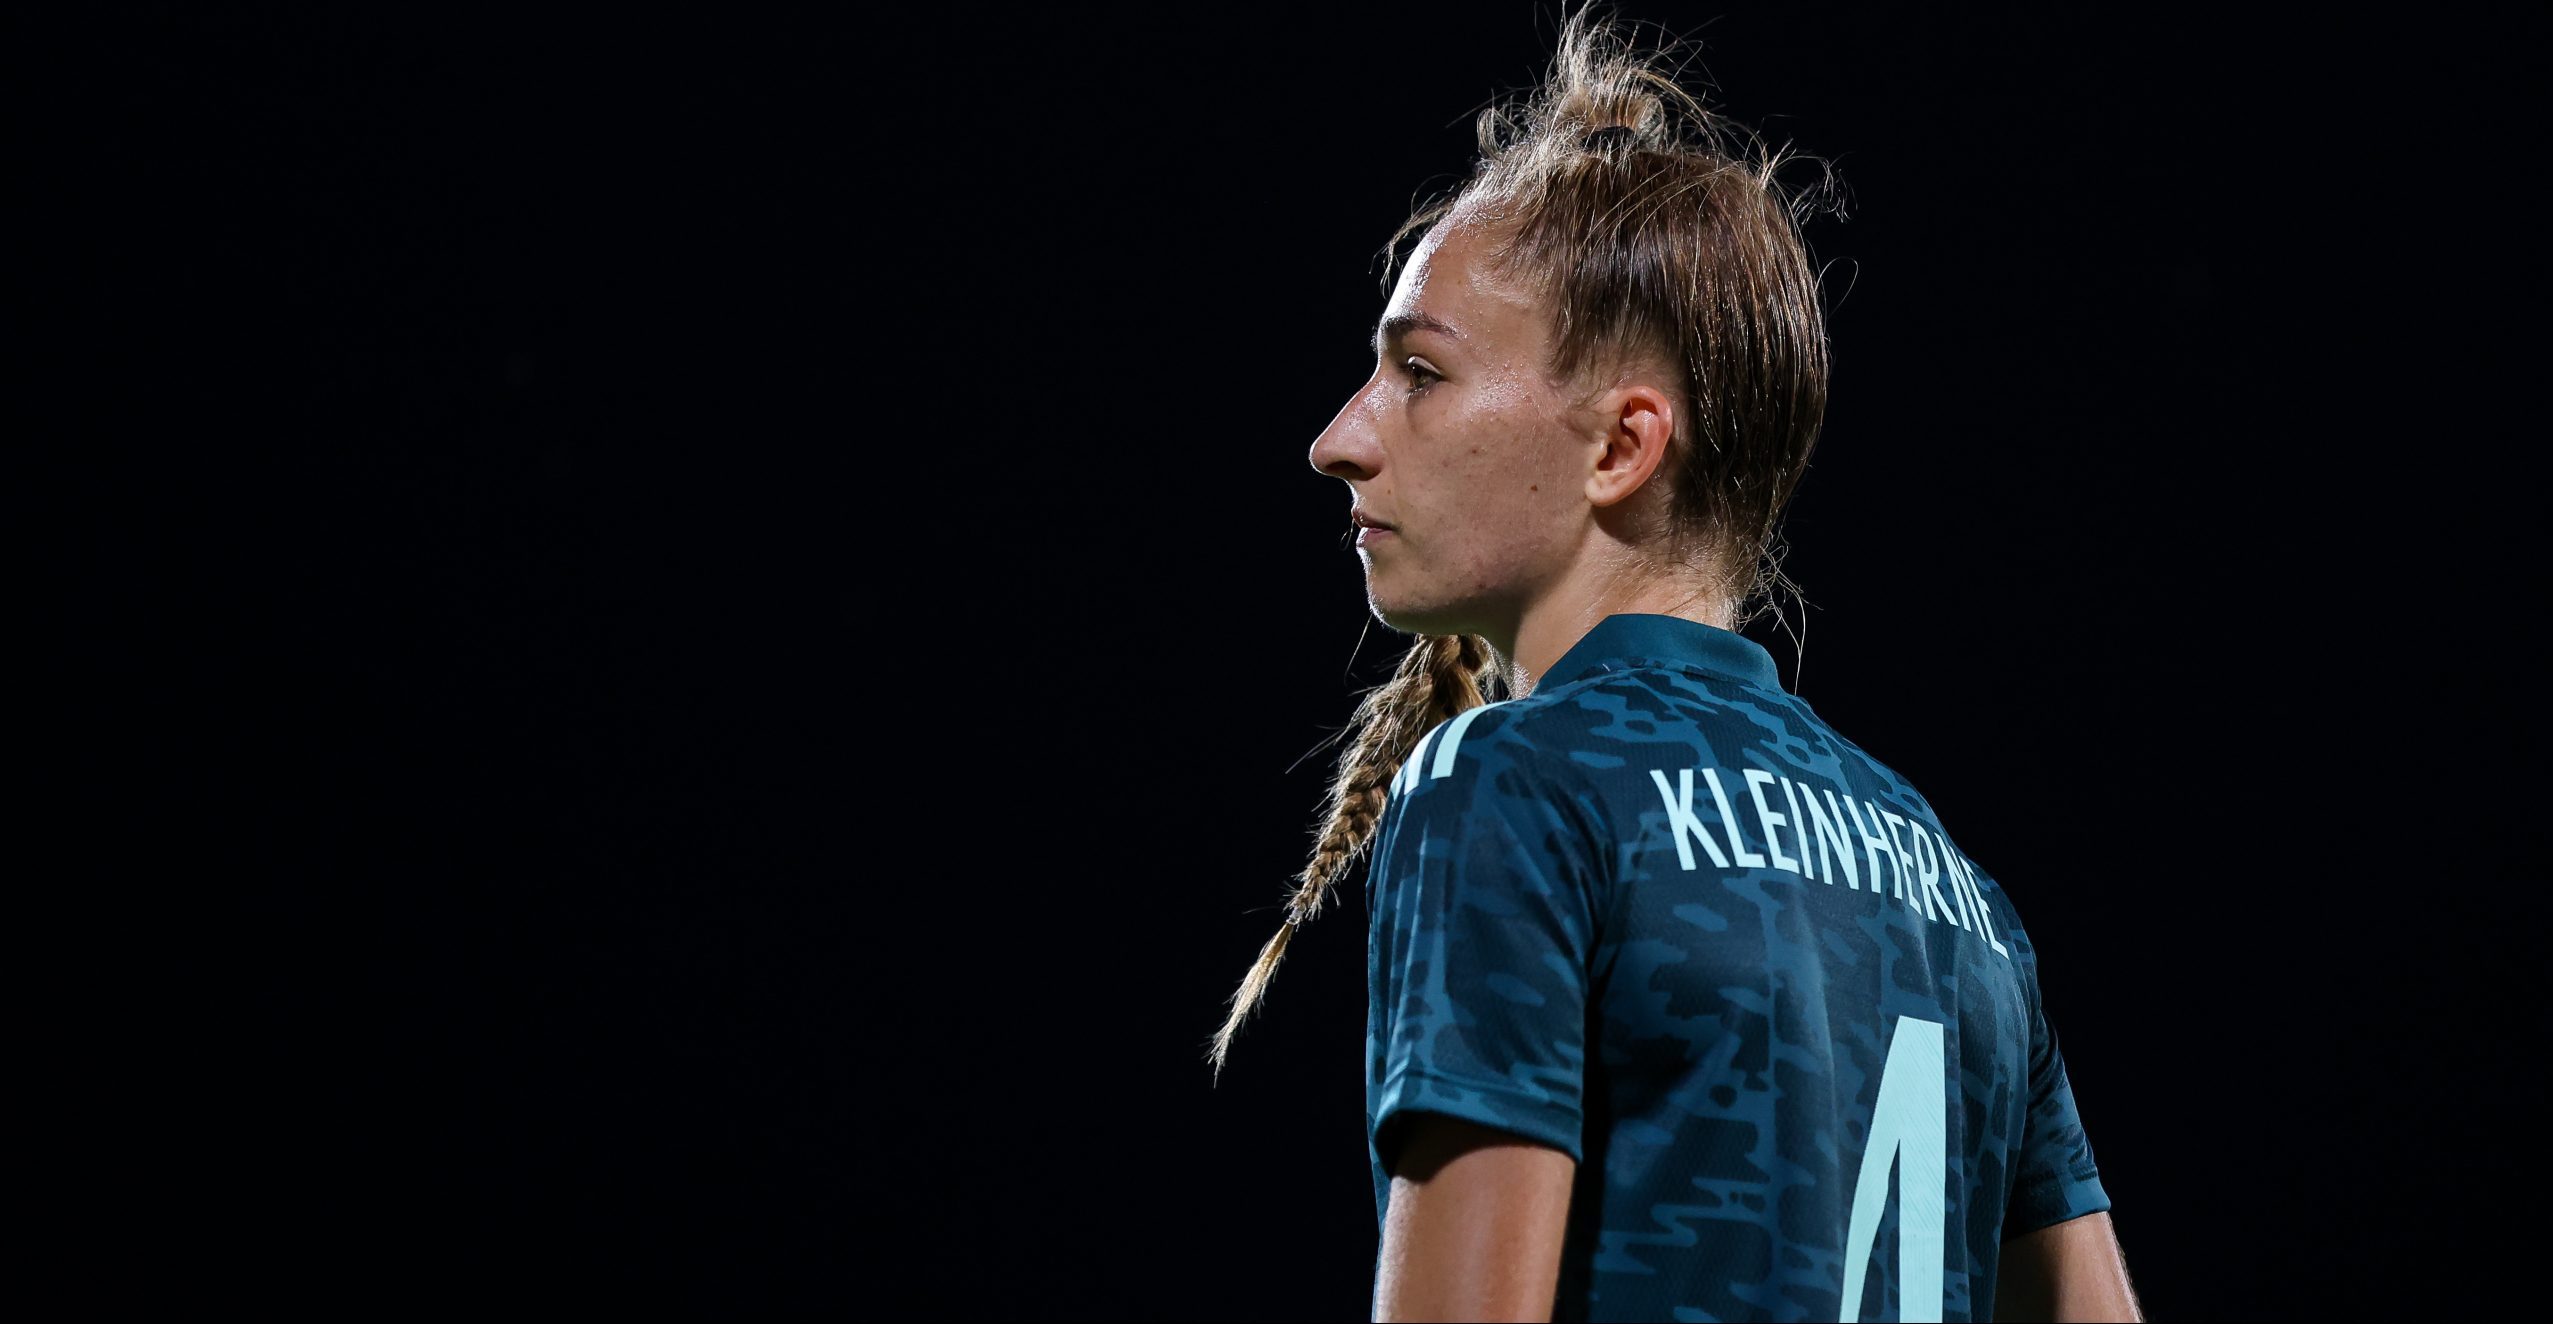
column 1346, row 448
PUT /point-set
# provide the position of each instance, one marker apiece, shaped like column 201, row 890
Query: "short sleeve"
column 2054, row 1178
column 1483, row 891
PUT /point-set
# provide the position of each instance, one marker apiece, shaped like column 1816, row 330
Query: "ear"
column 1637, row 422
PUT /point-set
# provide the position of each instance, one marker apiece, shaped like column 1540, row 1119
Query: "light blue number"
column 1908, row 1131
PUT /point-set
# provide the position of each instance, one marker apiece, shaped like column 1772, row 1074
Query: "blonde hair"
column 1649, row 227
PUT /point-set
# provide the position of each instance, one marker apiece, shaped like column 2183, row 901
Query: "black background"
column 694, row 645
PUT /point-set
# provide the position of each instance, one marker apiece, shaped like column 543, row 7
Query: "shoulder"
column 1519, row 741
column 1881, row 770
column 1512, row 761
column 1490, row 793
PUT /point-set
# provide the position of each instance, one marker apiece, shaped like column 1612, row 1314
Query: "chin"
column 1420, row 616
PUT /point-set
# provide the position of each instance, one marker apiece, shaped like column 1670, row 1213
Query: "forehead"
column 1448, row 277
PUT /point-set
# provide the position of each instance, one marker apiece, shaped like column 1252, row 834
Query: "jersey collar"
column 1635, row 638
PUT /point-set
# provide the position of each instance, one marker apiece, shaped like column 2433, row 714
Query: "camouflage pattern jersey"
column 1658, row 915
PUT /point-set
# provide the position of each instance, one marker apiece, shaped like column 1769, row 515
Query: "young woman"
column 1681, row 1005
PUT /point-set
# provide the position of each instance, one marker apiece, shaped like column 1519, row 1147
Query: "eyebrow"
column 1401, row 324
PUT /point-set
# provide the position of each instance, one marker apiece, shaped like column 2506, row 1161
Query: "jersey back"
column 1658, row 915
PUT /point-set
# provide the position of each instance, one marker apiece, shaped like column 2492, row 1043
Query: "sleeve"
column 2053, row 1176
column 1483, row 894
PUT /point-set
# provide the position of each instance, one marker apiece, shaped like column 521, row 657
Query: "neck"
column 1552, row 625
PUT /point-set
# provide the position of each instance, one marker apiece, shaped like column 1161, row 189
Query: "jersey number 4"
column 1907, row 1130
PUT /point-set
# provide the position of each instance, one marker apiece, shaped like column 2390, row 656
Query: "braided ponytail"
column 1440, row 676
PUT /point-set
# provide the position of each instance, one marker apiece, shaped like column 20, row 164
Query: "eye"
column 1416, row 370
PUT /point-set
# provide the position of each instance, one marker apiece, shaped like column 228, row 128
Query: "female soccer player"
column 1681, row 1005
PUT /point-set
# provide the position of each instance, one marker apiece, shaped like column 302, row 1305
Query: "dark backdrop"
column 695, row 645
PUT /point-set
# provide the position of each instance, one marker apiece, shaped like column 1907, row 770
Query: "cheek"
column 1515, row 462
column 1499, row 498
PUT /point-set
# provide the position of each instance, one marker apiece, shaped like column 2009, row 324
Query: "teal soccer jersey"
column 1658, row 915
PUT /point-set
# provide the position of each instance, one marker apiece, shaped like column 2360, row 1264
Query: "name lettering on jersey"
column 1823, row 831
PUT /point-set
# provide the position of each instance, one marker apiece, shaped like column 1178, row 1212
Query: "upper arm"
column 2054, row 1176
column 1475, row 1225
column 2072, row 1270
column 1484, row 894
